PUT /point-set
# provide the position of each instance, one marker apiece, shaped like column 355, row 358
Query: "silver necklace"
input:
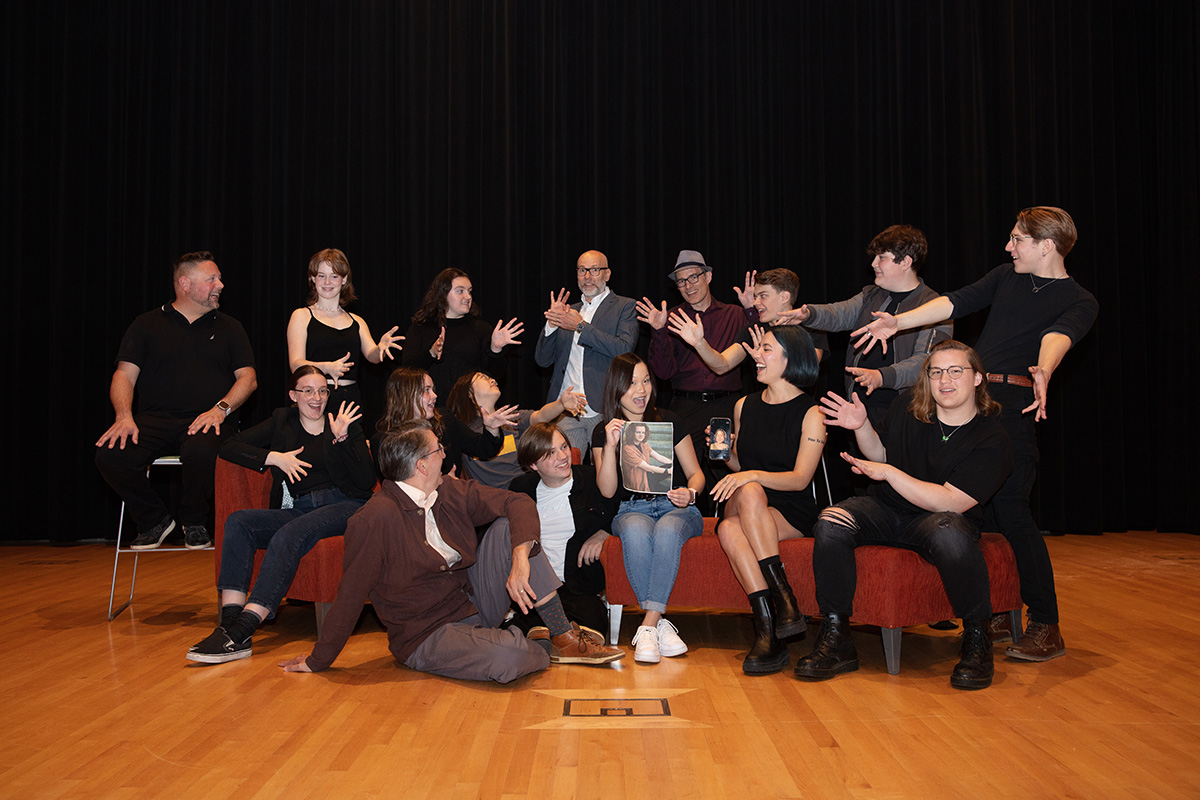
column 1037, row 288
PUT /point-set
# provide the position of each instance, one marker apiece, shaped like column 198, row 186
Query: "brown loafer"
column 578, row 646
column 1041, row 642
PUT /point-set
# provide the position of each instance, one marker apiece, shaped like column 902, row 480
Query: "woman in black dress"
column 778, row 438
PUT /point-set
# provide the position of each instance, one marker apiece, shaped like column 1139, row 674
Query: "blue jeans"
column 652, row 534
column 287, row 535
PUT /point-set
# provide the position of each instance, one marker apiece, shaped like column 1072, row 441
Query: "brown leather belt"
column 1012, row 380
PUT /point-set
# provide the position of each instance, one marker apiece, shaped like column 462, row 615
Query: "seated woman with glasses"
column 321, row 474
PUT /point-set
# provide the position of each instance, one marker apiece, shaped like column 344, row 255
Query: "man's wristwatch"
column 579, row 327
column 221, row 404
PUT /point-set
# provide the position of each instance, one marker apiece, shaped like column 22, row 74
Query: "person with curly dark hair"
column 449, row 338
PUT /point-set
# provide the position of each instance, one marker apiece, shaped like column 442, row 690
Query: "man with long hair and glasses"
column 940, row 454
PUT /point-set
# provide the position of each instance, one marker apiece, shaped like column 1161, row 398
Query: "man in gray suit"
column 580, row 340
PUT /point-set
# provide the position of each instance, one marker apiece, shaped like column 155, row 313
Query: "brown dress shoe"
column 1041, row 642
column 541, row 633
column 1000, row 627
column 577, row 647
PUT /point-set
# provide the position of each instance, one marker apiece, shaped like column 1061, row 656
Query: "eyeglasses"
column 953, row 373
column 689, row 281
column 1016, row 237
column 593, row 271
column 310, row 392
column 441, row 448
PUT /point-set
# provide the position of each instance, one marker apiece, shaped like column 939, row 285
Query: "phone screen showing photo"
column 720, row 434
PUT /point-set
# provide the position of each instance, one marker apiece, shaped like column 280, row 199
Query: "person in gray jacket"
column 580, row 340
column 899, row 251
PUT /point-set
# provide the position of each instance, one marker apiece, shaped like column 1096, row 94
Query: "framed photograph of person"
column 647, row 457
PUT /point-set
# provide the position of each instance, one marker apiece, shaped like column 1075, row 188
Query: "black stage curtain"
column 506, row 137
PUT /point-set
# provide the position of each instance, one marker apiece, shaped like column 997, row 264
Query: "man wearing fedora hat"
column 699, row 393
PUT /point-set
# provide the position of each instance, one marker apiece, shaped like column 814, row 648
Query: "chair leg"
column 614, row 623
column 891, row 649
column 117, row 560
column 1018, row 631
column 322, row 610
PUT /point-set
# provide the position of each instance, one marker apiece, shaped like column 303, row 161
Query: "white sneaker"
column 669, row 643
column 645, row 644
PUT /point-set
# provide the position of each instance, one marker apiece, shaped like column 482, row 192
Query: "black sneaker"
column 219, row 648
column 151, row 539
column 195, row 537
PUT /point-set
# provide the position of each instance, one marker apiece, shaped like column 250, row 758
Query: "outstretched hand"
column 1041, row 382
column 654, row 317
column 842, row 413
column 872, row 469
column 883, row 328
column 388, row 341
column 504, row 335
column 438, row 345
column 691, row 331
column 745, row 295
column 794, row 317
column 869, row 379
column 754, row 349
column 339, row 425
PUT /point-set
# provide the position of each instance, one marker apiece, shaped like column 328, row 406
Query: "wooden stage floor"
column 99, row 709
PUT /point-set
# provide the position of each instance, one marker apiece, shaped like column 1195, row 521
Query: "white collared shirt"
column 433, row 537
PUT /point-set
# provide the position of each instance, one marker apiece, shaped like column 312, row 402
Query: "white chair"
column 164, row 461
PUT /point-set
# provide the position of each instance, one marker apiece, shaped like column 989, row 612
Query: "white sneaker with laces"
column 645, row 644
column 669, row 643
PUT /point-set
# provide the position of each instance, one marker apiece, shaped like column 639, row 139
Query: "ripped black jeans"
column 947, row 540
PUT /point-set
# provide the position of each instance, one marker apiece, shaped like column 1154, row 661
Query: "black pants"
column 1010, row 513
column 948, row 541
column 125, row 470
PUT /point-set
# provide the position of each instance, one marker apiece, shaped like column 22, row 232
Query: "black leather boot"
column 974, row 669
column 789, row 621
column 767, row 655
column 834, row 652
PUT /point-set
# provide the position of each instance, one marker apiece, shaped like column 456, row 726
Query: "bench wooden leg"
column 891, row 649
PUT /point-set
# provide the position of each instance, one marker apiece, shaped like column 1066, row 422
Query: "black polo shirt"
column 185, row 368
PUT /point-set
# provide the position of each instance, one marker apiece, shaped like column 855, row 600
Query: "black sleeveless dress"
column 768, row 440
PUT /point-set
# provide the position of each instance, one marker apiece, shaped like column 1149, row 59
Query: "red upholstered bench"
column 896, row 587
column 320, row 570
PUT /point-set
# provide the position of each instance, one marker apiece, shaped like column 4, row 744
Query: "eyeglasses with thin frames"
column 310, row 392
column 954, row 373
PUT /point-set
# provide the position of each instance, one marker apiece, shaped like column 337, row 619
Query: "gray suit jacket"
column 612, row 331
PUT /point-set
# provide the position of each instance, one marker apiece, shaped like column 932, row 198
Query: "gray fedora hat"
column 689, row 258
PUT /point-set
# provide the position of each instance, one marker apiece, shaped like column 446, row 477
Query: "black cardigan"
column 348, row 463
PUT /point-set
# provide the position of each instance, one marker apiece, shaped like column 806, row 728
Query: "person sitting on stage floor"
column 576, row 520
column 321, row 474
column 412, row 551
column 940, row 455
